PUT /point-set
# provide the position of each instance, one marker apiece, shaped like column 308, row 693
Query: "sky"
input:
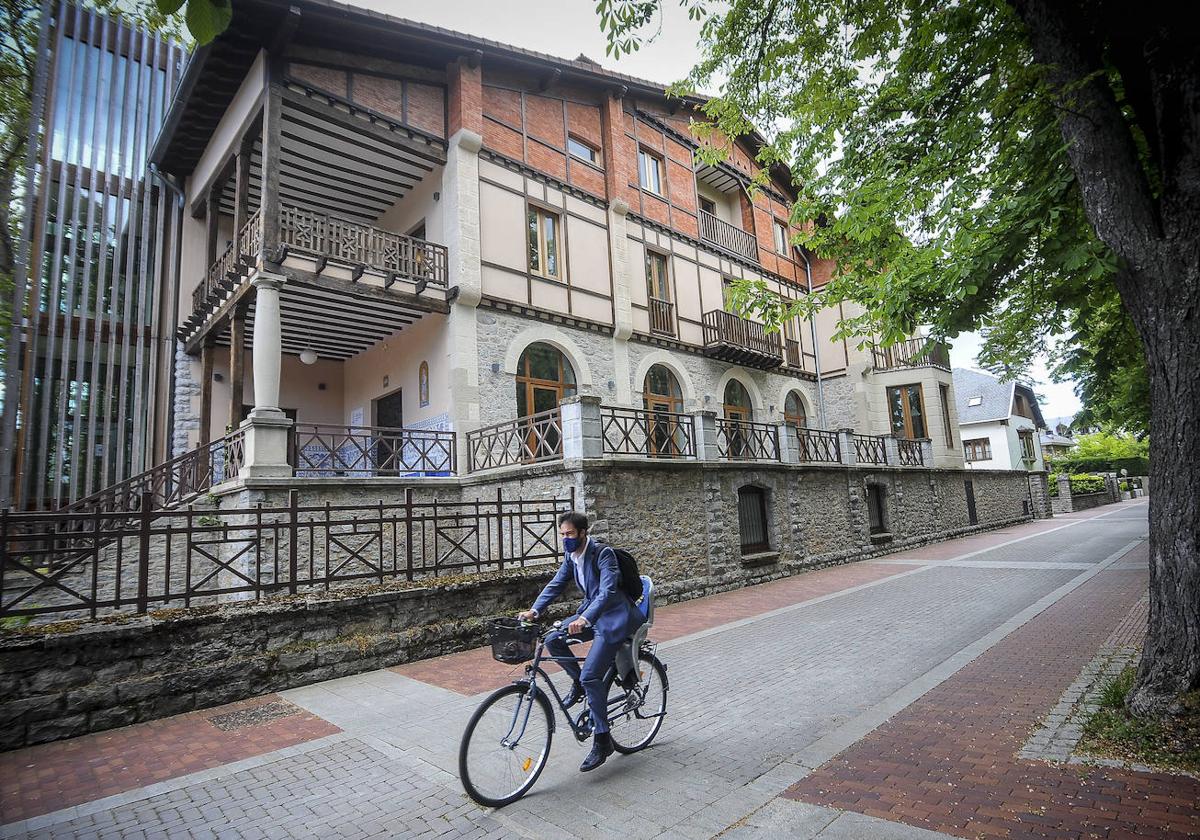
column 566, row 28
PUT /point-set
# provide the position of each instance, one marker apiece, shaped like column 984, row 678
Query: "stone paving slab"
column 750, row 699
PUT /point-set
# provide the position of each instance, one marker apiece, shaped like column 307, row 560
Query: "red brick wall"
column 426, row 108
column 379, row 94
column 325, row 78
column 419, row 103
column 464, row 97
column 531, row 125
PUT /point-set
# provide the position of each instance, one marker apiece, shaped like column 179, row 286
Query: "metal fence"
column 526, row 440
column 745, row 440
column 650, row 434
column 817, row 445
column 869, row 449
column 322, row 450
column 910, row 453
column 71, row 565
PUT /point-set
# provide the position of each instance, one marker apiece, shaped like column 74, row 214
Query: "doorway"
column 388, row 413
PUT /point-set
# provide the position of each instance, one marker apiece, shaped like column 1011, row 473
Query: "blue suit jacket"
column 610, row 612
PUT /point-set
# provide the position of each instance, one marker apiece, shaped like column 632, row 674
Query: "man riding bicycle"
column 606, row 616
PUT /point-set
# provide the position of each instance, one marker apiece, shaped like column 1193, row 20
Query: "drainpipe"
column 177, row 250
column 812, row 326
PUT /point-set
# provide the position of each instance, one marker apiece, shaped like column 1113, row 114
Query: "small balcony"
column 725, row 236
column 741, row 341
column 662, row 317
column 912, row 353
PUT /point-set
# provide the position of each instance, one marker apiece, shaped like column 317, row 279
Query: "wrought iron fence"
column 357, row 244
column 650, row 434
column 911, row 453
column 322, row 450
column 869, row 449
column 526, row 440
column 745, row 440
column 817, row 445
column 86, row 564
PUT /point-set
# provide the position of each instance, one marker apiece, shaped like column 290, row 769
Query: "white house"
column 999, row 422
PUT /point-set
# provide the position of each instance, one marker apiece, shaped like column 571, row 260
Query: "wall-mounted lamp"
column 708, row 398
column 495, row 367
column 437, row 196
column 217, row 377
column 612, row 386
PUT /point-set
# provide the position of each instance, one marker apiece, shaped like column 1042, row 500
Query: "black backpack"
column 631, row 578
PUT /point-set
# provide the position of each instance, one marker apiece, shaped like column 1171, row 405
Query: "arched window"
column 544, row 378
column 793, row 411
column 662, row 397
column 737, row 402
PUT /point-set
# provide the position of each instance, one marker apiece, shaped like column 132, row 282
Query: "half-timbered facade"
column 457, row 233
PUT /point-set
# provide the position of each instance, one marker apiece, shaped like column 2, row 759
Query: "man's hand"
column 577, row 626
column 528, row 615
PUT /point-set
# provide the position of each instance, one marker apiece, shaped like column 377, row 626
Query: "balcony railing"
column 232, row 263
column 739, row 340
column 910, row 453
column 324, row 451
column 662, row 316
column 869, row 449
column 649, row 434
column 745, row 440
column 727, row 237
column 526, row 440
column 817, row 446
column 397, row 255
column 912, row 353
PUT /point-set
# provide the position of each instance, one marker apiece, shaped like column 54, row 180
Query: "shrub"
column 1082, row 483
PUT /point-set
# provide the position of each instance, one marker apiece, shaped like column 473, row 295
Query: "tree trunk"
column 1155, row 231
column 1170, row 662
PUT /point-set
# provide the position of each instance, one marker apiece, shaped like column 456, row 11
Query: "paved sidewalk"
column 789, row 686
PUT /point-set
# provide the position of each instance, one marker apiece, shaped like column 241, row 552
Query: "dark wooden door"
column 389, row 413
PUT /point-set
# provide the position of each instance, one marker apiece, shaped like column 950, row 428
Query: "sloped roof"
column 993, row 399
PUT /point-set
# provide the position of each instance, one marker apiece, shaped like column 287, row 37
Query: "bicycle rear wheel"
column 635, row 722
column 505, row 745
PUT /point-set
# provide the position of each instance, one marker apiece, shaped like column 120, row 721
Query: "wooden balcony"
column 741, row 341
column 912, row 353
column 662, row 317
column 727, row 237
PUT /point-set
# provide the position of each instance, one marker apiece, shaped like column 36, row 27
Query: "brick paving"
column 38, row 780
column 948, row 761
column 762, row 681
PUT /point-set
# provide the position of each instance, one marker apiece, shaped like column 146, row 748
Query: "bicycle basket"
column 512, row 641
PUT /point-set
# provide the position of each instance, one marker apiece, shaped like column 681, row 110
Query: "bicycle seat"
column 627, row 653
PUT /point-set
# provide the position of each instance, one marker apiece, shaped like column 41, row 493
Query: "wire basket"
column 513, row 641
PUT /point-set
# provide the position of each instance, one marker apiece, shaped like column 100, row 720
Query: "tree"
column 1011, row 166
column 1109, row 446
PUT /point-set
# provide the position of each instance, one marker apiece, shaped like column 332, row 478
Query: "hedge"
column 1080, row 483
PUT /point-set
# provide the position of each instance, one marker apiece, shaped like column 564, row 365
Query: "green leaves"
column 206, row 19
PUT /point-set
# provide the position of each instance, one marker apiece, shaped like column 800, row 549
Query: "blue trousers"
column 602, row 655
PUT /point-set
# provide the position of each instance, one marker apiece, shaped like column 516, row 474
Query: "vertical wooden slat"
column 271, row 141
column 237, row 363
column 206, row 375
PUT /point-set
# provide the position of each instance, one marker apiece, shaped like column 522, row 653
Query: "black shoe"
column 574, row 695
column 602, row 748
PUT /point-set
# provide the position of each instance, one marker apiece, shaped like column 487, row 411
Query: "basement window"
column 752, row 520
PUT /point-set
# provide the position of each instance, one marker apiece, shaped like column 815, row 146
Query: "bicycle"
column 507, row 741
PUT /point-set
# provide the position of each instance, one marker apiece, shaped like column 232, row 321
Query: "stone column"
column 846, row 445
column 1064, row 493
column 706, row 435
column 618, row 255
column 582, row 432
column 927, row 452
column 266, row 429
column 1039, row 493
column 789, row 446
column 891, row 450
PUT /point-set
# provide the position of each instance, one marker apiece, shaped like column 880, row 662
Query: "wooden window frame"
column 706, row 200
column 797, row 421
column 903, row 389
column 539, row 271
column 1028, row 453
column 651, row 254
column 977, row 449
column 594, row 160
column 659, row 169
column 781, row 240
column 944, row 394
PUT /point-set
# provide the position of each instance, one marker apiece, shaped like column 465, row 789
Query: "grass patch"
column 1171, row 743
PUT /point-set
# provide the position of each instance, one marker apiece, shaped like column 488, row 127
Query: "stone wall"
column 68, row 681
column 186, row 417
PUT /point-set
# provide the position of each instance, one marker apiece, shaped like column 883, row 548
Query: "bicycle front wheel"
column 634, row 723
column 505, row 745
